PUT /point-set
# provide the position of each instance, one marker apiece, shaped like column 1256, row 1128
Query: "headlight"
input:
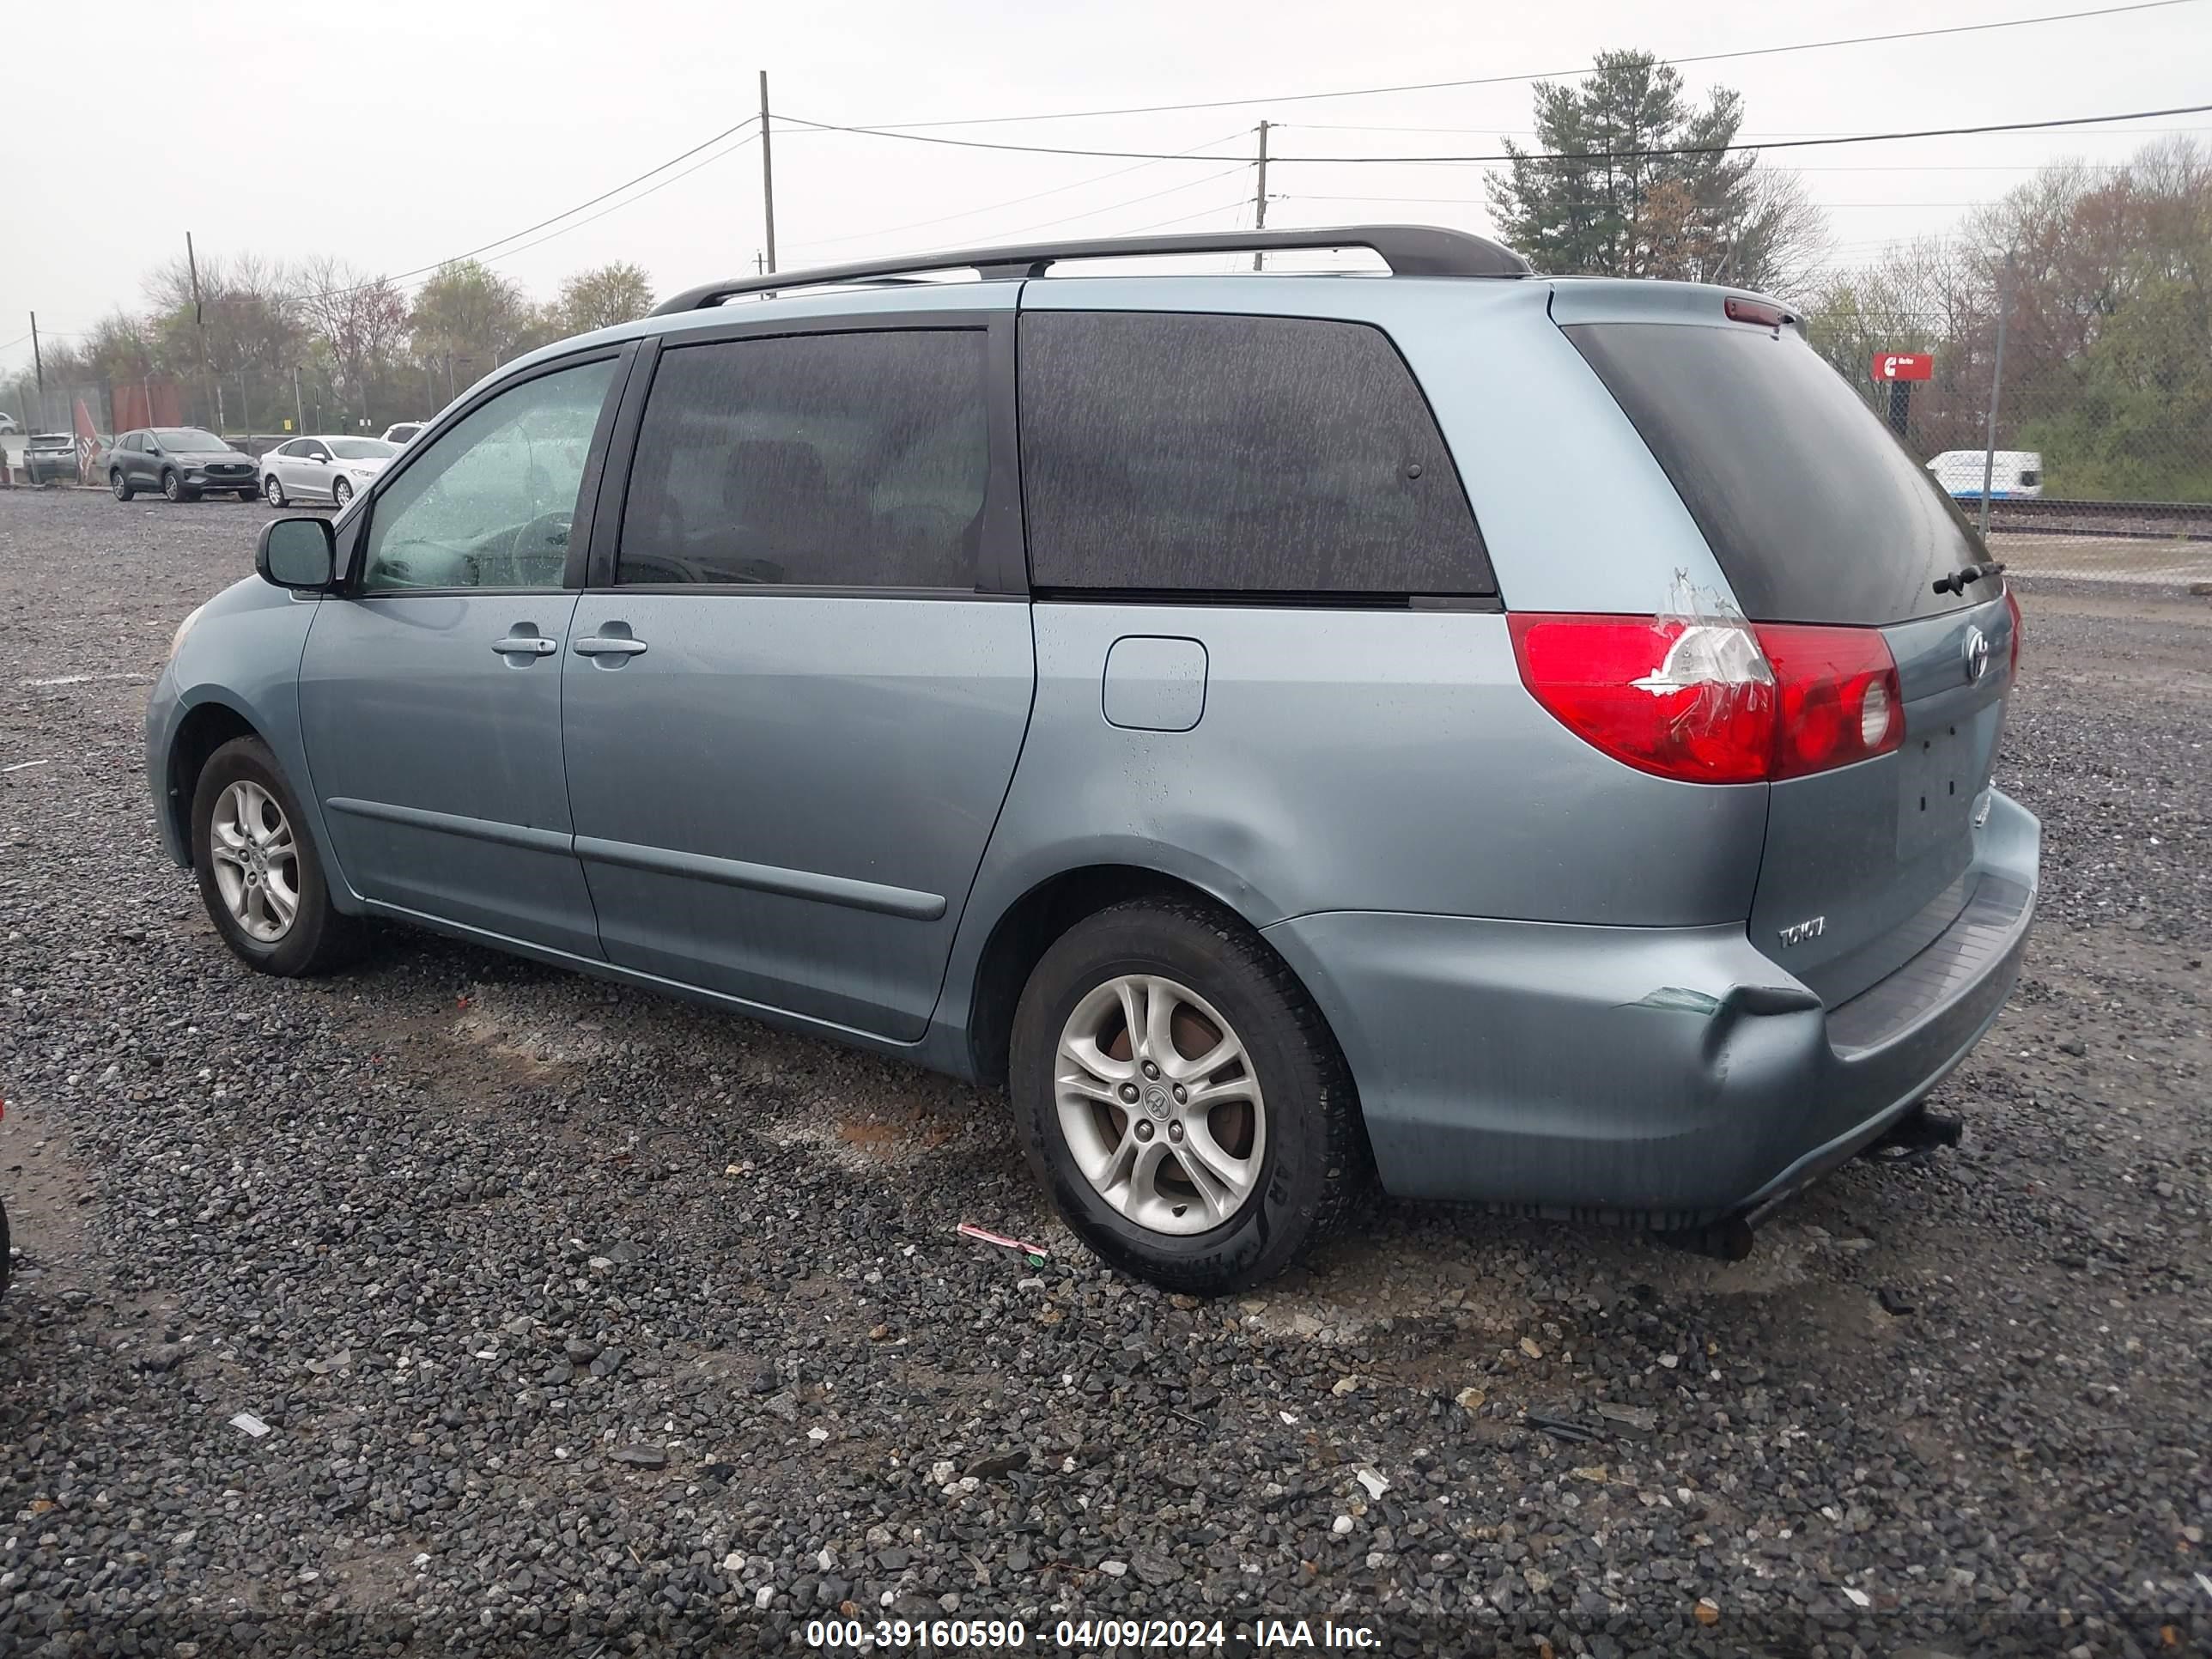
column 182, row 628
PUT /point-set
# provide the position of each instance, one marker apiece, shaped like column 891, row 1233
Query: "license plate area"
column 1946, row 768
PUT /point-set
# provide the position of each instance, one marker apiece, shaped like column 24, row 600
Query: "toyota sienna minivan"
column 1528, row 742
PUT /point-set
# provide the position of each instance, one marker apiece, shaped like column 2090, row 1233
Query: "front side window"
column 136, row 441
column 1199, row 454
column 489, row 504
column 314, row 452
column 836, row 460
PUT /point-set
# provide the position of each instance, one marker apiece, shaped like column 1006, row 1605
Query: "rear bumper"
column 1666, row 1076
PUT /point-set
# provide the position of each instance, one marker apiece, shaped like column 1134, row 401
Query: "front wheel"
column 259, row 875
column 1183, row 1099
column 246, row 494
column 121, row 485
column 341, row 492
column 172, row 486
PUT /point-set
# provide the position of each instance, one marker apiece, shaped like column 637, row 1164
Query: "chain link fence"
column 2097, row 449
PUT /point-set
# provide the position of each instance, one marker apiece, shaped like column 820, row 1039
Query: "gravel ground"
column 583, row 1322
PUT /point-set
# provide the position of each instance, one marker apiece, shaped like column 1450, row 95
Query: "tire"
column 172, row 486
column 249, row 495
column 318, row 937
column 122, row 486
column 1301, row 1146
column 275, row 494
column 341, row 493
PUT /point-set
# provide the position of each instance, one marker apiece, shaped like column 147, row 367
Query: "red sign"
column 1903, row 366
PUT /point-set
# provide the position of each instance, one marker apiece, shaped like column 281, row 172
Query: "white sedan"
column 322, row 469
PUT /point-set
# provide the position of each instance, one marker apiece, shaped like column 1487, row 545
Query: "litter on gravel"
column 1035, row 1252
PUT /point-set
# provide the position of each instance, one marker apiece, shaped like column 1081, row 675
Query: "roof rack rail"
column 1409, row 250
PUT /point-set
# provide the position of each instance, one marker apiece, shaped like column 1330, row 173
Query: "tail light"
column 1714, row 701
column 2012, row 606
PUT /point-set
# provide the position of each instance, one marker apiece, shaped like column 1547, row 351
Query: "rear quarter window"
column 1813, row 511
column 1176, row 452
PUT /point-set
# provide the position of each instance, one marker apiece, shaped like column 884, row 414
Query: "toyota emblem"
column 1977, row 654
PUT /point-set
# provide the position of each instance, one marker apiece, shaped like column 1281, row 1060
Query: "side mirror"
column 300, row 554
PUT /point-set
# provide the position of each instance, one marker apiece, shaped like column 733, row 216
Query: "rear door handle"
column 525, row 645
column 607, row 645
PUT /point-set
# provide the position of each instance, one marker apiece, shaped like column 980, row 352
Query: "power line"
column 1579, row 156
column 1471, row 201
column 1537, row 75
column 419, row 270
column 1034, row 196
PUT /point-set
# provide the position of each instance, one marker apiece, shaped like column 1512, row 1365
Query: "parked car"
column 2015, row 474
column 1230, row 722
column 9, row 426
column 49, row 456
column 406, row 433
column 182, row 462
column 329, row 469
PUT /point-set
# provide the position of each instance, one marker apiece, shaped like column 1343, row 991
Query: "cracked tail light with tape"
column 1714, row 700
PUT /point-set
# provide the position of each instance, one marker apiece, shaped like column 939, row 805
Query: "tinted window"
column 1816, row 512
column 134, row 440
column 490, row 503
column 314, row 452
column 1236, row 454
column 846, row 460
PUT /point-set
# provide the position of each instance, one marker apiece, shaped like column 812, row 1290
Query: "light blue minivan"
column 1529, row 740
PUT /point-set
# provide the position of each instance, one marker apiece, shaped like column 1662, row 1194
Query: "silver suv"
column 1526, row 740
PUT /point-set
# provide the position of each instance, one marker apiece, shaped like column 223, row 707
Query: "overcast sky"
column 395, row 134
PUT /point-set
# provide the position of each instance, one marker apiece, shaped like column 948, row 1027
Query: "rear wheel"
column 259, row 875
column 1183, row 1099
column 121, row 485
column 274, row 491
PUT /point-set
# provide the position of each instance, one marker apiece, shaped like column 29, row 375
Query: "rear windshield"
column 1816, row 512
column 52, row 441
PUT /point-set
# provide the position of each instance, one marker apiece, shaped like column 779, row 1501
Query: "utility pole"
column 37, row 364
column 1260, row 195
column 199, row 321
column 767, row 176
column 1996, row 385
column 298, row 408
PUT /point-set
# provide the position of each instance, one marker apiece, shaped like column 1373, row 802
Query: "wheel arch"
column 203, row 728
column 1026, row 928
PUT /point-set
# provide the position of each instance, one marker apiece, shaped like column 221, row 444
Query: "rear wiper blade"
column 1957, row 581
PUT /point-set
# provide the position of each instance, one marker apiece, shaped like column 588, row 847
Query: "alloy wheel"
column 1158, row 1104
column 256, row 861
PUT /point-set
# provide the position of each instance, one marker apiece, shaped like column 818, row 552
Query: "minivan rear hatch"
column 1816, row 515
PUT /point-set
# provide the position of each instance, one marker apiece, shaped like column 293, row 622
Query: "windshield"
column 187, row 440
column 1813, row 511
column 362, row 449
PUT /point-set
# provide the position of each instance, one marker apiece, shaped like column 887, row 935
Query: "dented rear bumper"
column 1666, row 1076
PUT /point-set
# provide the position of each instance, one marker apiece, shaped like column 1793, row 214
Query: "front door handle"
column 525, row 645
column 608, row 645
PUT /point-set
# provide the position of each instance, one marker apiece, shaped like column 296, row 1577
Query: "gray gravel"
column 581, row 1321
